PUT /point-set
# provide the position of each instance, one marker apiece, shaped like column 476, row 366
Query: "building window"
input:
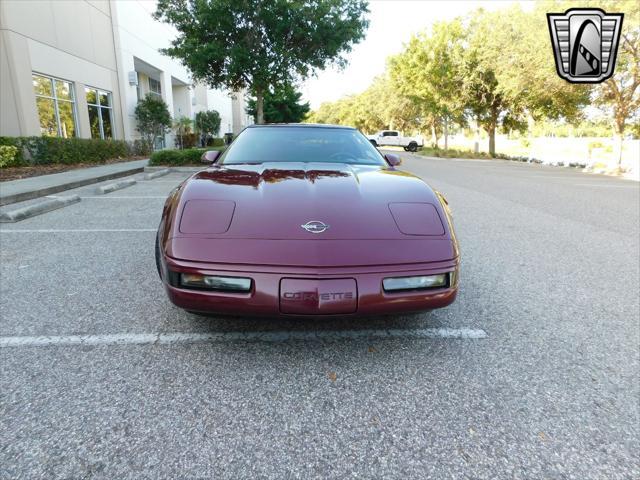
column 56, row 106
column 154, row 87
column 100, row 113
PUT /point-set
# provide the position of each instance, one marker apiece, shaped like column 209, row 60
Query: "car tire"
column 406, row 149
column 413, row 147
column 374, row 143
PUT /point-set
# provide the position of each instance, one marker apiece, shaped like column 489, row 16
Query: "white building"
column 78, row 67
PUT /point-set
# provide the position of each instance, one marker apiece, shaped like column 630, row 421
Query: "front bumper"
column 265, row 296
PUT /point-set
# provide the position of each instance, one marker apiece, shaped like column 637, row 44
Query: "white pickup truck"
column 388, row 138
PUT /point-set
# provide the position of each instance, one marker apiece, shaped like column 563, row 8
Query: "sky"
column 392, row 23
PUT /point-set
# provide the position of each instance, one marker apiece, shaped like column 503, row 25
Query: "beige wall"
column 68, row 39
column 94, row 43
column 181, row 101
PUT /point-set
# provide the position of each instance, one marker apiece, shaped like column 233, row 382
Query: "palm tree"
column 183, row 127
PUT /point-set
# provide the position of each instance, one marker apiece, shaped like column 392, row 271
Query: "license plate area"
column 303, row 296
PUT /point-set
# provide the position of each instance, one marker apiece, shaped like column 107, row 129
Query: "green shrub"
column 8, row 155
column 13, row 142
column 207, row 123
column 190, row 140
column 55, row 150
column 152, row 117
column 139, row 148
column 454, row 153
column 189, row 156
column 215, row 142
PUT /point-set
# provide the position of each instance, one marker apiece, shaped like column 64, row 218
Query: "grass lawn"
column 458, row 153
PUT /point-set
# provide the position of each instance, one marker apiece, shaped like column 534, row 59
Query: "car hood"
column 274, row 200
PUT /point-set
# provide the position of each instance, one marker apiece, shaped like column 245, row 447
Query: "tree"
column 377, row 108
column 508, row 77
column 183, row 127
column 620, row 95
column 207, row 124
column 152, row 117
column 483, row 98
column 427, row 72
column 282, row 104
column 257, row 45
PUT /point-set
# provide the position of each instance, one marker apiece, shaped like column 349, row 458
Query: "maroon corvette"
column 306, row 220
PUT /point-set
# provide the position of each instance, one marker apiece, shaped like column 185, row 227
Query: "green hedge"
column 190, row 156
column 54, row 150
column 8, row 155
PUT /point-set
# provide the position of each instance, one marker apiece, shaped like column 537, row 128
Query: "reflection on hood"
column 228, row 176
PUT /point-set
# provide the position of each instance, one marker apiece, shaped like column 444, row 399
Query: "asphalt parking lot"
column 550, row 273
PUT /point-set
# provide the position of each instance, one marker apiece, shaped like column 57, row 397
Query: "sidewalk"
column 27, row 188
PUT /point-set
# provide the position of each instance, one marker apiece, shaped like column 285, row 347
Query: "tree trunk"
column 492, row 140
column 617, row 144
column 434, row 135
column 259, row 107
column 446, row 133
column 617, row 150
column 491, row 130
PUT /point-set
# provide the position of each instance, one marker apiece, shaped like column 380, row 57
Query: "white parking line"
column 268, row 337
column 607, row 186
column 86, row 230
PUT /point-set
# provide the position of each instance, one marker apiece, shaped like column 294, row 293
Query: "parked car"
column 388, row 138
column 306, row 220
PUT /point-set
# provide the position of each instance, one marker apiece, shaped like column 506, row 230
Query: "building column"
column 19, row 69
column 122, row 112
column 167, row 96
column 128, row 96
column 82, row 112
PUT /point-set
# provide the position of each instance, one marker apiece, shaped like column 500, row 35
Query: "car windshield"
column 301, row 144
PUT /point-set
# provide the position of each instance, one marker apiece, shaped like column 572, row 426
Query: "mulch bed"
column 15, row 173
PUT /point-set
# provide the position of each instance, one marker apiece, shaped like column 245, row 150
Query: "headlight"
column 415, row 283
column 207, row 282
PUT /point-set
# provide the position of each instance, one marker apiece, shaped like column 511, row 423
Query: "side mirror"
column 393, row 159
column 210, row 156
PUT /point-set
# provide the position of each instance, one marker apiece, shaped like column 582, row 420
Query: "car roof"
column 303, row 125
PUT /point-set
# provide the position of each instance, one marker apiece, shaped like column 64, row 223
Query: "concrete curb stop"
column 156, row 174
column 112, row 187
column 176, row 169
column 37, row 209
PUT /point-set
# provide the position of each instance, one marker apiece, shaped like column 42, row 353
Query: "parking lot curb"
column 157, row 173
column 11, row 193
column 112, row 187
column 37, row 208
